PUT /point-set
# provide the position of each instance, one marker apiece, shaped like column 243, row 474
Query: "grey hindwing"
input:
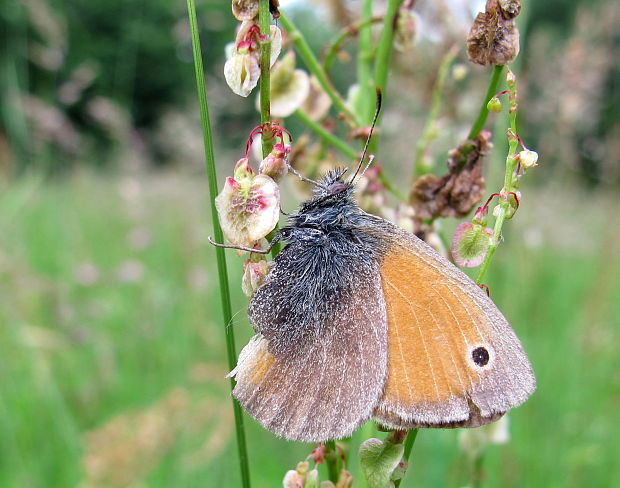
column 323, row 314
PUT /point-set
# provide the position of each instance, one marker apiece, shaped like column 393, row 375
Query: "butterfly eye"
column 336, row 187
column 480, row 355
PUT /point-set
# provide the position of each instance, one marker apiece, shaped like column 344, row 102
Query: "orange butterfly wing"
column 441, row 329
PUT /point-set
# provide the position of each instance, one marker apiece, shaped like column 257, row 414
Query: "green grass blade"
column 217, row 232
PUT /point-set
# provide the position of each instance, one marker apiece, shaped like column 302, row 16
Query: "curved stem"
column 484, row 111
column 341, row 37
column 328, row 137
column 412, row 435
column 306, row 54
column 219, row 237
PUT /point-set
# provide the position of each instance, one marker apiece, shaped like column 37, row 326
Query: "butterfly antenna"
column 372, row 128
column 302, row 177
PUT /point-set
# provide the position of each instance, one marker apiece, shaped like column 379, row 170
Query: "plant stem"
column 341, row 37
column 264, row 17
column 409, row 442
column 306, row 54
column 219, row 237
column 484, row 112
column 265, row 76
column 509, row 186
column 364, row 67
column 331, row 461
column 477, row 474
column 328, row 137
column 386, row 43
column 430, row 133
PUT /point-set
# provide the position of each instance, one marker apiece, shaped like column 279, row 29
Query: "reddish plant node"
column 485, row 288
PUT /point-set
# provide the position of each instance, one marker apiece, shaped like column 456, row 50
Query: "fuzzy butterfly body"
column 360, row 319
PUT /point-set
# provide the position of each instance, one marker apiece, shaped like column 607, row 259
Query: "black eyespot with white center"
column 480, row 356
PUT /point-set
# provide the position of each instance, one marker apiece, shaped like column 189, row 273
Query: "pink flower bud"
column 296, row 478
column 243, row 170
column 404, row 36
column 480, row 215
column 242, row 69
column 470, row 244
column 248, row 206
column 254, row 274
column 274, row 165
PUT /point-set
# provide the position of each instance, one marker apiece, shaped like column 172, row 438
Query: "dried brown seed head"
column 494, row 38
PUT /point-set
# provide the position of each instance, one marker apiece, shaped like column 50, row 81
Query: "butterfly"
column 359, row 319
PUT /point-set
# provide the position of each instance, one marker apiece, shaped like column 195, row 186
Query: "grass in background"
column 112, row 357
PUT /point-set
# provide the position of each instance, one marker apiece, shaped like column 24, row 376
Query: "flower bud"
column 274, row 165
column 312, row 479
column 248, row 206
column 528, row 159
column 254, row 274
column 470, row 244
column 317, row 103
column 480, row 216
column 242, row 68
column 459, row 71
column 345, row 480
column 404, row 35
column 511, row 79
column 242, row 71
column 494, row 105
column 245, row 9
column 292, row 479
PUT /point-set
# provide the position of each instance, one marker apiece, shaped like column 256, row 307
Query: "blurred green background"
column 112, row 356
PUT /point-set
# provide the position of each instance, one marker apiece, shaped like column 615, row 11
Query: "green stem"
column 364, row 67
column 264, row 17
column 306, row 54
column 386, row 43
column 477, row 474
column 389, row 187
column 265, row 76
column 484, row 112
column 344, row 148
column 509, row 186
column 342, row 36
column 409, row 442
column 219, row 237
column 331, row 461
column 430, row 133
column 328, row 137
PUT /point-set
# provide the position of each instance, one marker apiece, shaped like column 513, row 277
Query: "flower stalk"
column 421, row 166
column 505, row 206
column 483, row 113
column 265, row 76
